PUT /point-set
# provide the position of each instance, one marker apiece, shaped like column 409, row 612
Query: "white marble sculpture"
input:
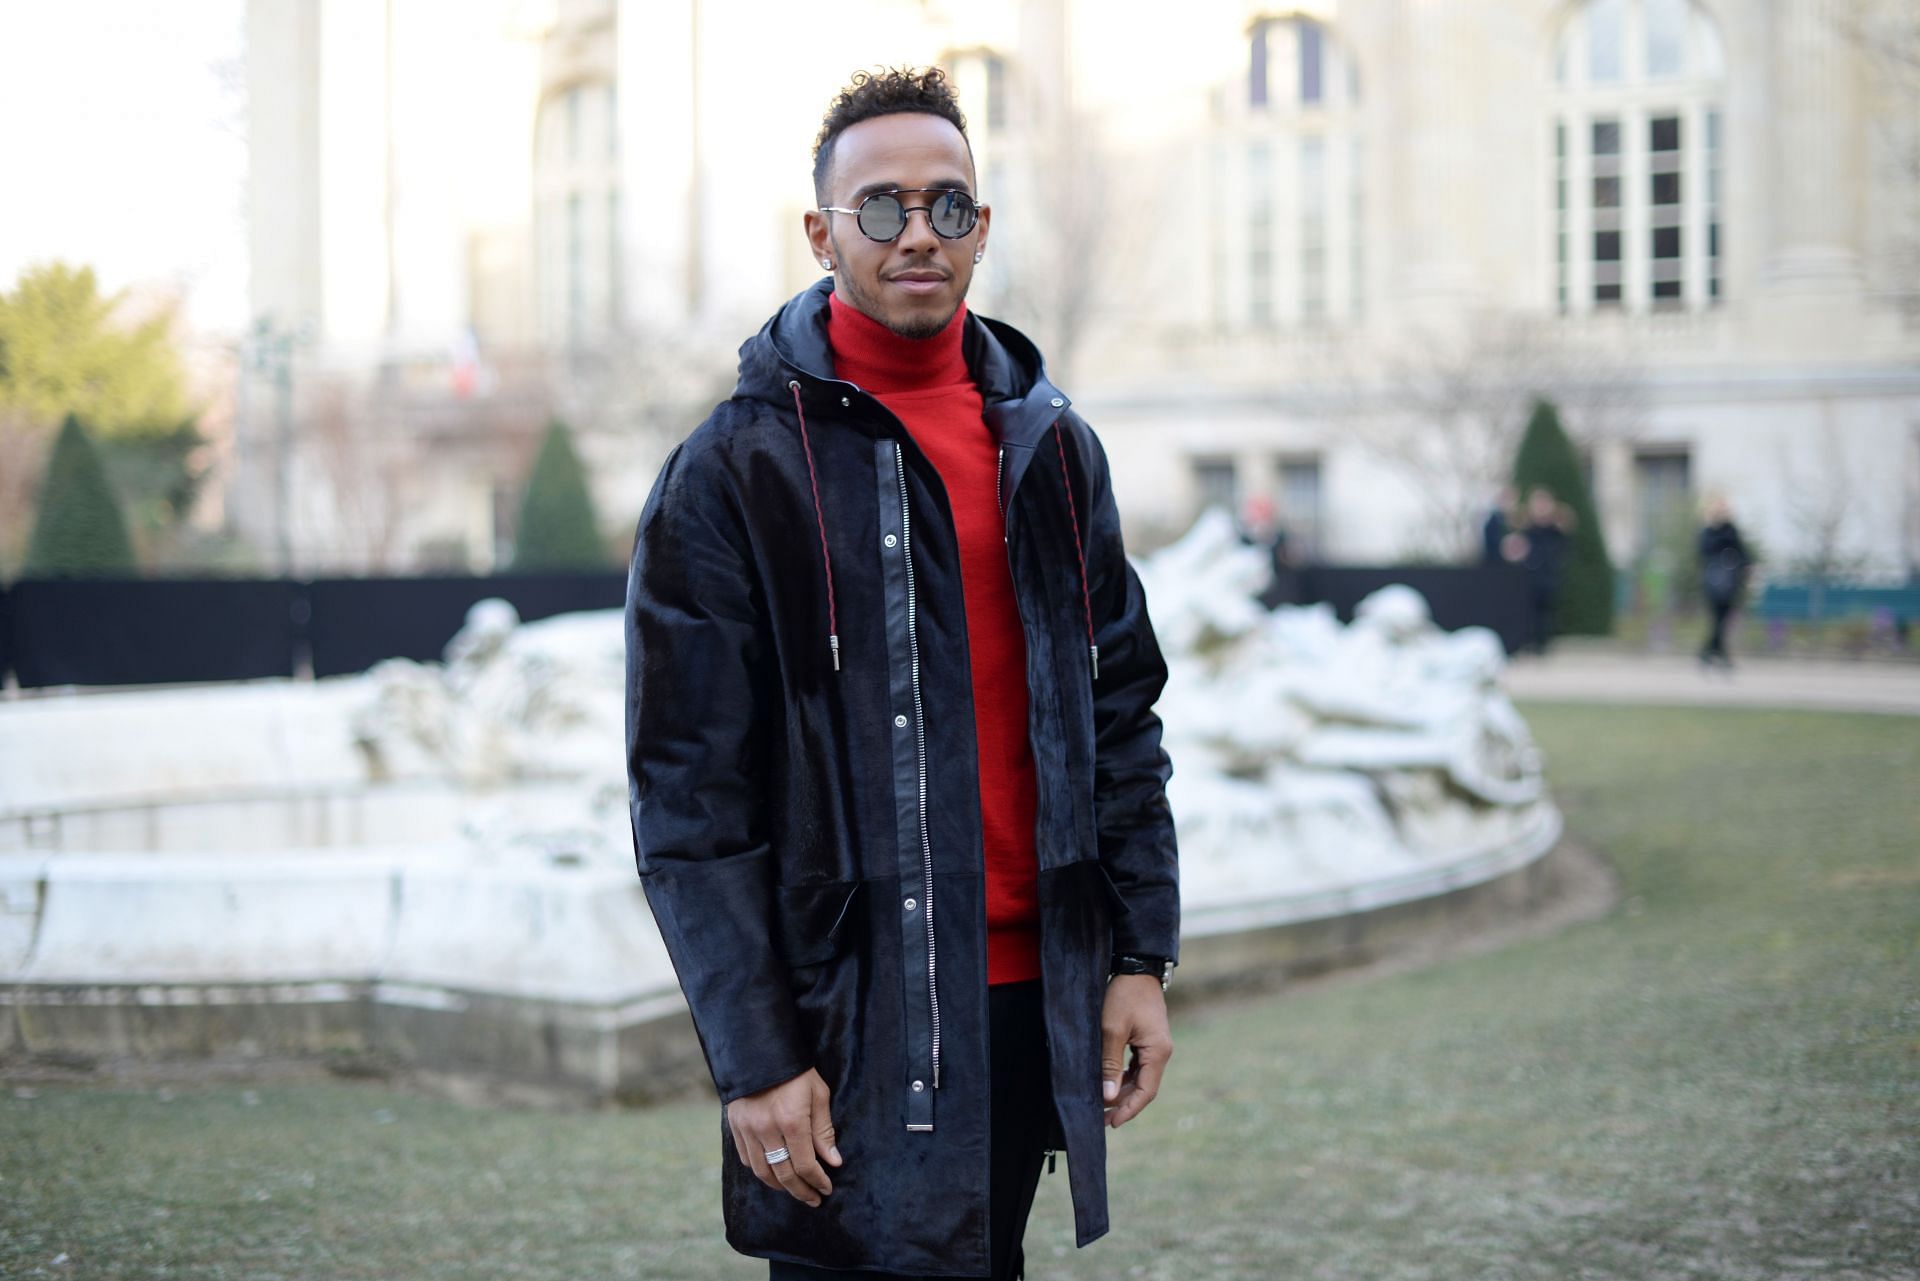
column 1308, row 756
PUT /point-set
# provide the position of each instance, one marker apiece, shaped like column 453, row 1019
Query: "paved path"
column 1578, row 677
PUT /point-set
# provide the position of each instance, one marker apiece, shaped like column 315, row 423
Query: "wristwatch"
column 1135, row 963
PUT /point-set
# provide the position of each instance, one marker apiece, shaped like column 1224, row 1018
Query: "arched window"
column 1288, row 170
column 1638, row 155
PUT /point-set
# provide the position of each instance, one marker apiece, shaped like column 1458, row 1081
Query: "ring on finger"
column 777, row 1155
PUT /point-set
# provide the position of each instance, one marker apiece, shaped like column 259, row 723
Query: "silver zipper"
column 999, row 491
column 920, row 747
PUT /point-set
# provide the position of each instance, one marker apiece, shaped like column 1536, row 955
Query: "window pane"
column 1310, row 60
column 1664, row 133
column 1606, row 40
column 1666, row 37
column 1606, row 137
column 1666, row 189
column 1666, row 242
column 1257, row 66
column 1213, row 482
column 996, row 93
column 1606, row 193
column 1606, row 246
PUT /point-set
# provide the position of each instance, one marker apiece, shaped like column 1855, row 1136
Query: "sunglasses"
column 882, row 216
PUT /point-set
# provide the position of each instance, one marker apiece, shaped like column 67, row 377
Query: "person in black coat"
column 808, row 767
column 1497, row 527
column 1724, row 565
column 1546, row 559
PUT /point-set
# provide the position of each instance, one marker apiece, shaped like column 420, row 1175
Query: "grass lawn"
column 1719, row 1080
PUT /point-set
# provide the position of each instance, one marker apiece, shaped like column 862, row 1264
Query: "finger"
column 805, row 1164
column 1113, row 1048
column 757, row 1160
column 789, row 1178
column 1148, row 1063
column 824, row 1139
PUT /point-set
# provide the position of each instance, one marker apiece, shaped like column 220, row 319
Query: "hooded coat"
column 805, row 796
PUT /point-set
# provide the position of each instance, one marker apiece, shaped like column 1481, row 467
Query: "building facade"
column 1322, row 254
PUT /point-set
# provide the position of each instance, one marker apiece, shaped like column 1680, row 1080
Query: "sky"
column 125, row 147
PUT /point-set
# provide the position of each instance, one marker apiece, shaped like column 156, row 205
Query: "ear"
column 819, row 236
column 980, row 229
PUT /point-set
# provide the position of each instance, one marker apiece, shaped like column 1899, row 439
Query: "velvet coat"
column 809, row 836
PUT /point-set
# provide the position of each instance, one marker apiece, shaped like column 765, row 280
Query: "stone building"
column 1323, row 252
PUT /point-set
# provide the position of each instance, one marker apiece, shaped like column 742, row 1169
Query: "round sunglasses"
column 883, row 216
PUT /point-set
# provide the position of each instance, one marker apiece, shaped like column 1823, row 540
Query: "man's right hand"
column 792, row 1115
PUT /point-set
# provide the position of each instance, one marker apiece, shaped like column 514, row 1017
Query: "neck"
column 867, row 353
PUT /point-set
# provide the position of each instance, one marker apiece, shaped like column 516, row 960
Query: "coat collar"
column 1021, row 403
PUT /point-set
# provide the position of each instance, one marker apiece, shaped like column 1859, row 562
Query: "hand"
column 792, row 1115
column 1135, row 1014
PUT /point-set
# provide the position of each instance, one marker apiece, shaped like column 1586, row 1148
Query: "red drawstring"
column 1086, row 599
column 833, row 621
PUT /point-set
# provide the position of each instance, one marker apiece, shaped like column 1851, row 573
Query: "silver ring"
column 778, row 1155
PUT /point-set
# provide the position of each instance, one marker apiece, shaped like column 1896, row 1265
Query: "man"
column 1724, row 565
column 1545, row 558
column 897, row 786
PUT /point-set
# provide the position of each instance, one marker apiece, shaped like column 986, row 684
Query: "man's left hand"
column 1135, row 1014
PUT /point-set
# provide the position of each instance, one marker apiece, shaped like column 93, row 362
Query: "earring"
column 827, row 263
column 978, row 254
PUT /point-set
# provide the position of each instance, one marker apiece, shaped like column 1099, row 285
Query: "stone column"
column 1814, row 192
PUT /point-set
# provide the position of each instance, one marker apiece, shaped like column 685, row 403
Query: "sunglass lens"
column 953, row 215
column 882, row 217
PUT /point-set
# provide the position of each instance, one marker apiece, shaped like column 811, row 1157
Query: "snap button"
column 1057, row 402
column 910, row 904
column 919, row 1086
column 900, row 721
column 845, row 403
column 890, row 540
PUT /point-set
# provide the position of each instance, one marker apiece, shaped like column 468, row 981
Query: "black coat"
column 809, row 838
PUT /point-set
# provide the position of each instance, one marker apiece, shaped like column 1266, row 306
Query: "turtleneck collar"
column 869, row 355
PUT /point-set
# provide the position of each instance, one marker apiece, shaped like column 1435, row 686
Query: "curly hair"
column 890, row 91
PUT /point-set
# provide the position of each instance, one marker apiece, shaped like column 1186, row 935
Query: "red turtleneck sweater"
column 926, row 384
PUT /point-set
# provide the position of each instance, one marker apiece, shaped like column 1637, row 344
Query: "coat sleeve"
column 699, row 686
column 1131, row 768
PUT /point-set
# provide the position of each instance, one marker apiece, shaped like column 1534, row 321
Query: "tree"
column 1444, row 409
column 63, row 352
column 557, row 528
column 79, row 531
column 1546, row 458
column 65, row 349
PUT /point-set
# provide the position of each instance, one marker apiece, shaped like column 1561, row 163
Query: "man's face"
column 914, row 284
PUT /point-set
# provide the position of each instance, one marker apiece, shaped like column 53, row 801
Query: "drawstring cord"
column 833, row 620
column 1086, row 597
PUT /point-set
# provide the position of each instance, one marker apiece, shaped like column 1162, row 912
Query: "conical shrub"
column 1547, row 458
column 558, row 529
column 78, row 530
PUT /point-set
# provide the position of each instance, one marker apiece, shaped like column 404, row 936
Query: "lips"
column 918, row 282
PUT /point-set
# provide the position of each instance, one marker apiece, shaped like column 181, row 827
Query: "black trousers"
column 1716, row 646
column 1023, row 1125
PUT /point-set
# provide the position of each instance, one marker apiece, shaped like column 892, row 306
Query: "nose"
column 918, row 234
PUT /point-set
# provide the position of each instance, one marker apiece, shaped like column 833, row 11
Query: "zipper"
column 920, row 749
column 999, row 490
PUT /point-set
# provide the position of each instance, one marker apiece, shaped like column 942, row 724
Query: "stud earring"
column 827, row 263
column 978, row 254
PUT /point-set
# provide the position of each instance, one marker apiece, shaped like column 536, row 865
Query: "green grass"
column 1721, row 1079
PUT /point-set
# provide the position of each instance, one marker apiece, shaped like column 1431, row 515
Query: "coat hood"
column 793, row 345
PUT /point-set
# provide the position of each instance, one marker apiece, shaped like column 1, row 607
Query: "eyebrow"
column 943, row 184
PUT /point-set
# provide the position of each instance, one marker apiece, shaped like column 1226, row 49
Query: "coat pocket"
column 818, row 922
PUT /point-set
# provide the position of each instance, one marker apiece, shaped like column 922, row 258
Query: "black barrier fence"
column 1490, row 596
column 356, row 622
column 164, row 630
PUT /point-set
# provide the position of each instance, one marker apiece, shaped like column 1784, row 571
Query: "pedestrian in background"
column 1724, row 565
column 1548, row 521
